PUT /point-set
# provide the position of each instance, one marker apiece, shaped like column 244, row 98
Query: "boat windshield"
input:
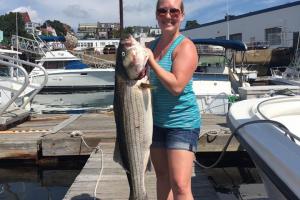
column 210, row 77
column 72, row 64
column 4, row 71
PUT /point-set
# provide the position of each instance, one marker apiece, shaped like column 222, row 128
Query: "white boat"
column 211, row 81
column 268, row 128
column 67, row 72
column 13, row 79
column 16, row 91
column 68, row 102
column 288, row 75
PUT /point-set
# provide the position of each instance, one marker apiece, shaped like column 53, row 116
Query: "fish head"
column 134, row 58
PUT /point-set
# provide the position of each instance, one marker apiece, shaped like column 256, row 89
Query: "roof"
column 25, row 17
column 228, row 44
column 234, row 17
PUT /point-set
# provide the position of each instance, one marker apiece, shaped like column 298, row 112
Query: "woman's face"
column 169, row 15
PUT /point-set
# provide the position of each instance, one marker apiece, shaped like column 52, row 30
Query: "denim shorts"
column 175, row 138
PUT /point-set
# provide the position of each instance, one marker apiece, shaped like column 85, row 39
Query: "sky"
column 136, row 12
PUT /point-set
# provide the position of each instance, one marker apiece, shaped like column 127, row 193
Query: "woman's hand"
column 151, row 58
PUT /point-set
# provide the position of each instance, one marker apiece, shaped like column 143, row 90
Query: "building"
column 31, row 27
column 25, row 17
column 1, row 36
column 97, row 30
column 154, row 31
column 107, row 30
column 96, row 45
column 87, row 30
column 276, row 27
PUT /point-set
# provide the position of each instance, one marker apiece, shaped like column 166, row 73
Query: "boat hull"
column 276, row 156
column 78, row 80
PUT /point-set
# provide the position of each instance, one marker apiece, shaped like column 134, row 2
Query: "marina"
column 66, row 101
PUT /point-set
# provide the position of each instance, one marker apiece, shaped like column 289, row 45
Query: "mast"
column 227, row 20
column 121, row 15
column 17, row 31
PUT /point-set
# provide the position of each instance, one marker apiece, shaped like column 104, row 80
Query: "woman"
column 175, row 110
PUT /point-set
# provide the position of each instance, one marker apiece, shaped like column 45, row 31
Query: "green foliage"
column 129, row 30
column 59, row 27
column 8, row 26
column 190, row 24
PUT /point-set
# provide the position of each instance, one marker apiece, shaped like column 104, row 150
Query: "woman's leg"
column 180, row 171
column 160, row 162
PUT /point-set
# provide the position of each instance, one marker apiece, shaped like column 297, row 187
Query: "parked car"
column 109, row 49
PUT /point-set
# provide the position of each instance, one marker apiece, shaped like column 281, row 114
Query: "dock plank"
column 12, row 117
column 114, row 185
column 95, row 127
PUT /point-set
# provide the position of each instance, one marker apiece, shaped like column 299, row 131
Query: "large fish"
column 133, row 115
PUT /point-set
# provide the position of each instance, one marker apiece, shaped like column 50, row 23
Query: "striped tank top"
column 171, row 111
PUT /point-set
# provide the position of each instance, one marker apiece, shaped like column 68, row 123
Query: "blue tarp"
column 227, row 44
column 75, row 64
column 52, row 38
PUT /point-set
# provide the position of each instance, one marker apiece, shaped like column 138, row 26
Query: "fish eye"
column 123, row 54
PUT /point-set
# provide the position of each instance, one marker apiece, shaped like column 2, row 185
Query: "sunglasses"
column 174, row 12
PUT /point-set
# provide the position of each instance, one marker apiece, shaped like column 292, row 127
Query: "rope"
column 278, row 124
column 78, row 133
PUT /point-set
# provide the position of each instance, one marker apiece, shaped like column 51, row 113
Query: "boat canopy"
column 75, row 64
column 227, row 44
column 52, row 38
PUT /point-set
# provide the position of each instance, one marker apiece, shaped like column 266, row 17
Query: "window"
column 236, row 36
column 273, row 35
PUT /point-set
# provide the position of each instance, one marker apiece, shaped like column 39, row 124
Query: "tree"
column 8, row 26
column 190, row 24
column 59, row 27
column 129, row 30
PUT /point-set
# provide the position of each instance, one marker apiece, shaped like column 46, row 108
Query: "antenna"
column 17, row 32
column 227, row 19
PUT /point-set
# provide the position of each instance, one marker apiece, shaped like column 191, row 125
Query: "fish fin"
column 117, row 156
column 146, row 86
column 149, row 166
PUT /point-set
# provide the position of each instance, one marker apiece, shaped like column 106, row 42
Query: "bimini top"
column 52, row 38
column 227, row 44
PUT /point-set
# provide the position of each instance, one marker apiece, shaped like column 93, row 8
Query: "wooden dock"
column 51, row 136
column 113, row 182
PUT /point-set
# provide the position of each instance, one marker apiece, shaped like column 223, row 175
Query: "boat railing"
column 17, row 92
column 42, row 45
column 93, row 60
column 26, row 83
column 27, row 45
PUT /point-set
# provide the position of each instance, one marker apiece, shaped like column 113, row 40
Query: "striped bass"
column 133, row 115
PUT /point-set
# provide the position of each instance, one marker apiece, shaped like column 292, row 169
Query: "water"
column 22, row 181
column 30, row 191
column 235, row 178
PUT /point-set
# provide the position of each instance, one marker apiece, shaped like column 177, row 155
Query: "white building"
column 98, row 45
column 31, row 27
column 277, row 26
column 154, row 31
